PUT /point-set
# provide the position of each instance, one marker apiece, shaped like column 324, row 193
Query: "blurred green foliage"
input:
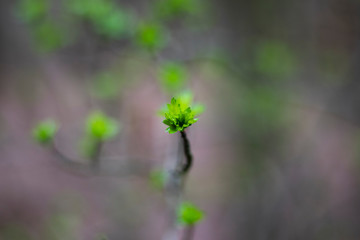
column 31, row 11
column 151, row 36
column 189, row 214
column 275, row 59
column 61, row 226
column 100, row 127
column 49, row 36
column 187, row 98
column 107, row 19
column 101, row 237
column 158, row 178
column 178, row 116
column 172, row 76
column 47, row 33
column 262, row 121
column 45, row 131
column 14, row 232
column 105, row 85
column 170, row 9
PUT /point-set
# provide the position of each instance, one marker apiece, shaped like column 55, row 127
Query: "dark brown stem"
column 187, row 151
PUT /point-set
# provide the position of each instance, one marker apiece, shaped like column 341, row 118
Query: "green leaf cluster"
column 178, row 116
column 100, row 127
column 189, row 214
column 45, row 131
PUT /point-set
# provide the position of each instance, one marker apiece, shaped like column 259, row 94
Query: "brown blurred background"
column 276, row 152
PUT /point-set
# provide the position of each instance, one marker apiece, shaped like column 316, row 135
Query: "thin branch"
column 78, row 167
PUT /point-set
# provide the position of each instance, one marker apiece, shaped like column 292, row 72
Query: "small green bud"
column 45, row 131
column 101, row 127
column 189, row 214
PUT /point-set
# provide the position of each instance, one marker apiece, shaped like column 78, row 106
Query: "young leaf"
column 179, row 114
column 189, row 214
column 45, row 131
column 101, row 127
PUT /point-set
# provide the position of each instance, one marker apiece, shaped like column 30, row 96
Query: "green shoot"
column 189, row 214
column 45, row 131
column 178, row 116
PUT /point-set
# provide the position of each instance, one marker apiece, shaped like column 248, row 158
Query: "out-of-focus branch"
column 175, row 186
column 96, row 155
column 125, row 166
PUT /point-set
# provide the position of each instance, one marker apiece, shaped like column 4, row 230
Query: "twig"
column 77, row 167
column 187, row 152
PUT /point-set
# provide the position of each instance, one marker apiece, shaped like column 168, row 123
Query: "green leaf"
column 45, row 131
column 189, row 214
column 101, row 127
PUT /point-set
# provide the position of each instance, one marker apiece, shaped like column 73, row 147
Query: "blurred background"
column 276, row 151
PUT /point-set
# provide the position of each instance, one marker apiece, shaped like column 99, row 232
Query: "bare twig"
column 122, row 168
column 175, row 186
